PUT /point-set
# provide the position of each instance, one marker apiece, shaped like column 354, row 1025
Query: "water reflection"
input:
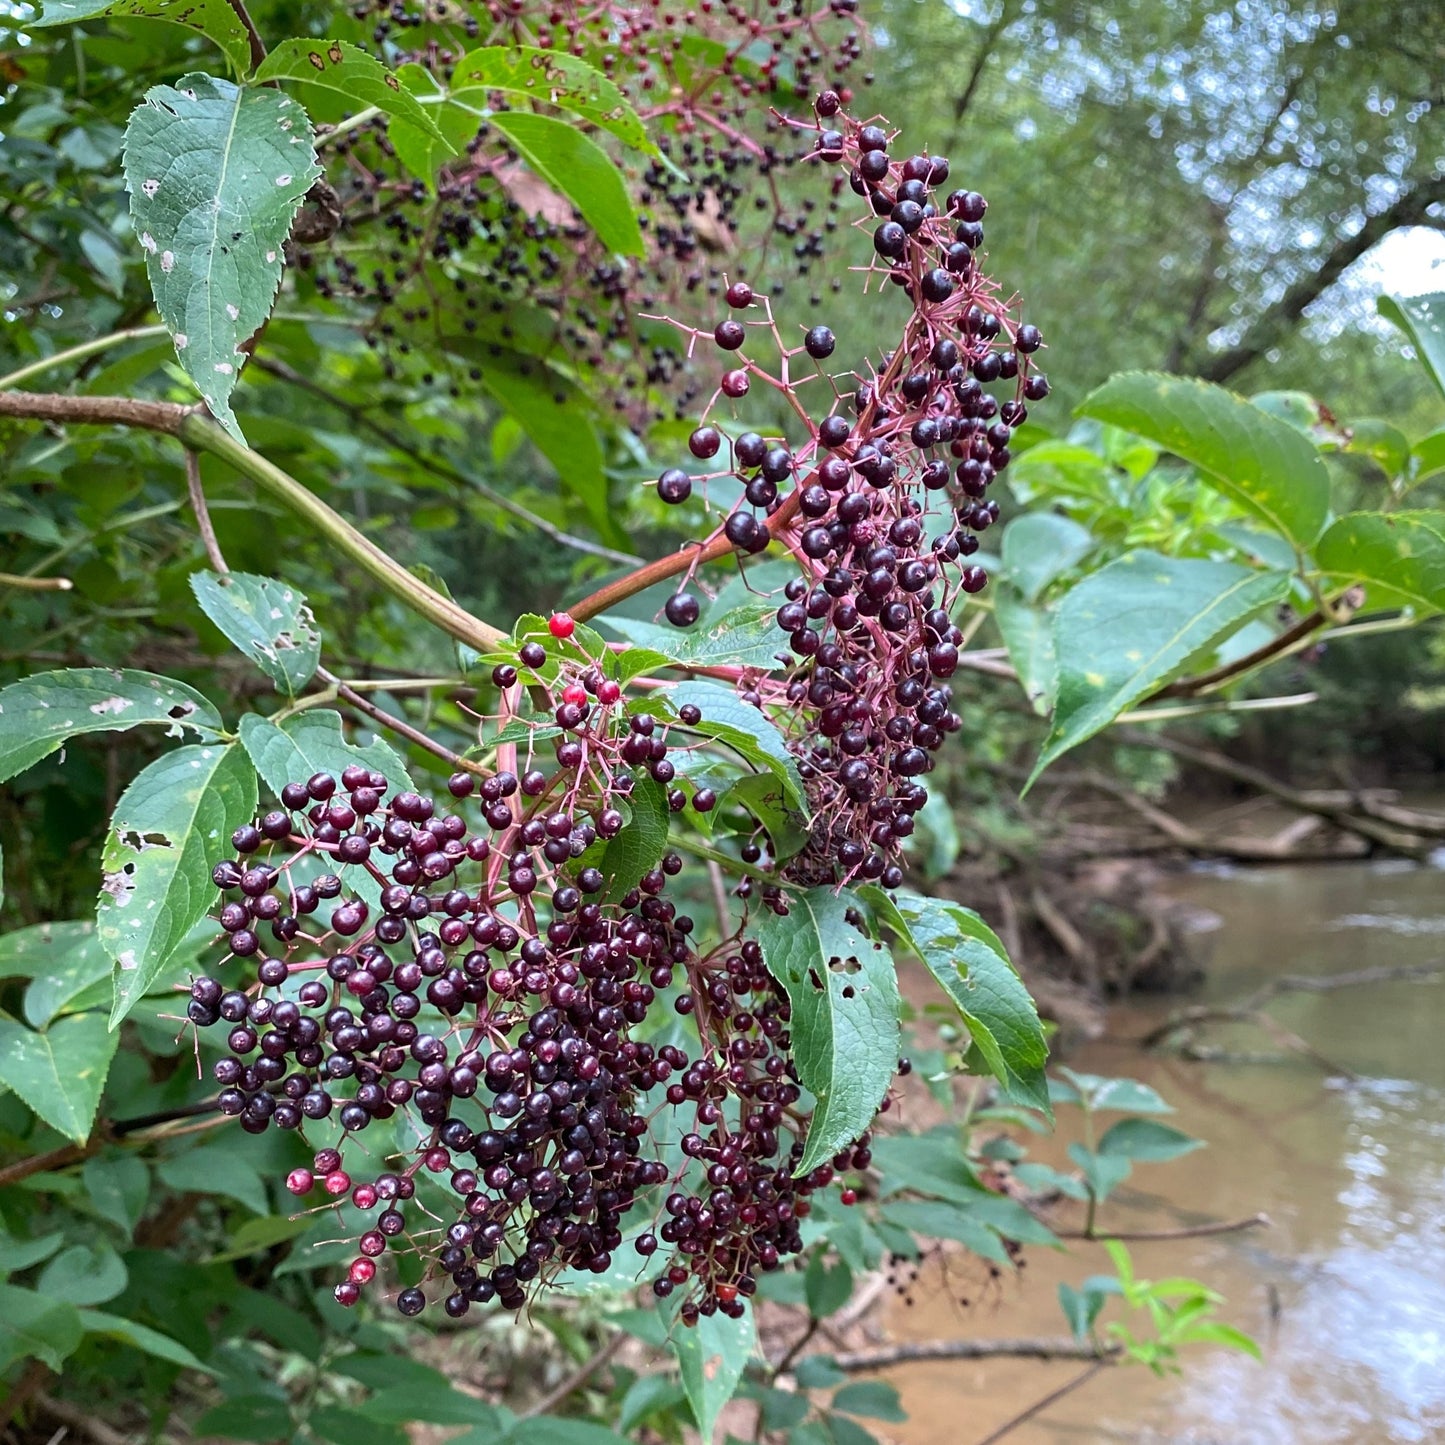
column 1352, row 1176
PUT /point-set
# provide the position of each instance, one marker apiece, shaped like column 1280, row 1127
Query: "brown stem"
column 35, row 584
column 577, row 1378
column 1191, row 686
column 161, row 416
column 258, row 47
column 203, row 514
column 1039, row 1406
column 399, row 726
column 1188, row 1231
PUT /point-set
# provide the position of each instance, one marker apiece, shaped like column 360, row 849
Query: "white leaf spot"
column 128, row 960
column 147, row 241
column 224, row 367
column 270, row 255
column 232, row 311
column 283, row 180
column 168, row 259
column 182, row 341
column 110, row 704
column 149, row 188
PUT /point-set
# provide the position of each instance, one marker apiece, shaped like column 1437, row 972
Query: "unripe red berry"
column 560, row 625
column 300, row 1181
column 337, row 1182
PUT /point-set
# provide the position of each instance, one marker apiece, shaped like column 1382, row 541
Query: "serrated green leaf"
column 712, row 1356
column 347, row 69
column 1102, row 1173
column 554, row 78
column 40, row 713
column 1400, row 556
column 1039, row 547
column 938, row 1219
column 269, row 621
column 215, row 19
column 579, row 169
column 1147, row 1140
column 746, row 636
column 32, row 1326
column 216, row 173
column 726, row 718
column 1028, row 634
column 1422, row 319
column 141, row 1337
column 59, row 1073
column 638, row 848
column 1260, row 462
column 312, row 742
column 931, row 1163
column 1131, row 627
column 173, row 824
column 768, row 801
column 966, row 957
column 83, row 1275
column 845, row 1007
column 32, row 952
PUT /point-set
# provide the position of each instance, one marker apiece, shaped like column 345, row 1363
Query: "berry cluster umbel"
column 498, row 1011
column 881, row 502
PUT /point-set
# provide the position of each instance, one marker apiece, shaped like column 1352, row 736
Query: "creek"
column 1344, row 1290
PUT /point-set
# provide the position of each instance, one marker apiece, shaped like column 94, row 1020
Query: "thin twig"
column 577, row 1378
column 36, row 584
column 1039, row 1406
column 258, row 46
column 68, row 1415
column 1189, row 1231
column 78, row 353
column 401, row 727
column 203, row 515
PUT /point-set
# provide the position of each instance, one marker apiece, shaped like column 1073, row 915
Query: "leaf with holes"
column 340, row 66
column 173, row 824
column 1422, row 319
column 1129, row 628
column 578, row 168
column 39, row 714
column 269, row 621
column 59, row 1073
column 1262, row 463
column 746, row 636
column 1400, row 556
column 215, row 19
column 553, row 78
column 845, row 1005
column 712, row 1356
column 970, row 963
column 216, row 174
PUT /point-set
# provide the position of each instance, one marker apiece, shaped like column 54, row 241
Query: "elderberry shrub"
column 492, row 248
column 880, row 504
column 501, row 1000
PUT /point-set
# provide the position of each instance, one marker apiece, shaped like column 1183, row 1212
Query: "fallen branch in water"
column 1186, row 1231
column 1039, row 1406
column 1040, row 1347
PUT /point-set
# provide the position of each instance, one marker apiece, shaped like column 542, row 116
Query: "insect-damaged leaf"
column 216, row 174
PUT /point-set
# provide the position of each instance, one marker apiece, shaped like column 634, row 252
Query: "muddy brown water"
column 1345, row 1291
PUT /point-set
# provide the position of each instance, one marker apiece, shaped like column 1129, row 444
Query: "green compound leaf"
column 746, row 636
column 1400, row 556
column 215, row 19
column 173, row 824
column 59, row 1073
column 347, row 69
column 40, row 713
column 970, row 963
column 845, row 1003
column 269, row 621
column 712, row 1356
column 554, row 78
column 640, row 845
column 1129, row 628
column 216, row 173
column 1257, row 460
column 578, row 168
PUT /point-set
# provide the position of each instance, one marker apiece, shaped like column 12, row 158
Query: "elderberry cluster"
column 506, row 240
column 881, row 505
column 465, row 967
